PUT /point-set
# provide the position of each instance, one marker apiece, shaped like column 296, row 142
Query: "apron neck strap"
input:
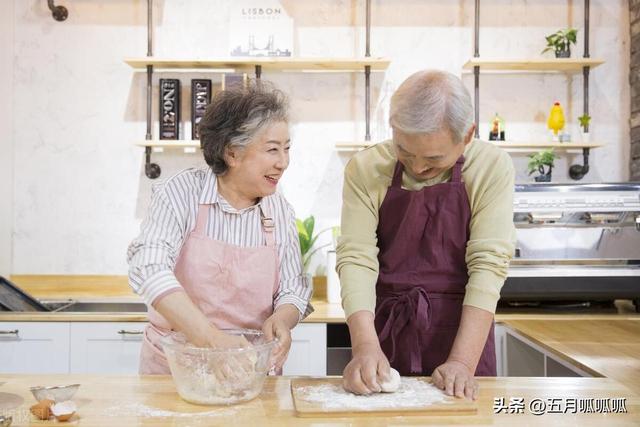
column 456, row 175
column 201, row 219
column 397, row 175
column 268, row 224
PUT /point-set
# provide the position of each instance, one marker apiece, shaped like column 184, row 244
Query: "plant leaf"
column 300, row 227
column 304, row 244
column 309, row 224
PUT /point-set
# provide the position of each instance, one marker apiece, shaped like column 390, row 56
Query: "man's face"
column 426, row 156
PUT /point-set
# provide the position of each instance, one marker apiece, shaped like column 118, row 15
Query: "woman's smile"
column 272, row 179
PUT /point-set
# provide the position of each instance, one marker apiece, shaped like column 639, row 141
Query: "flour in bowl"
column 411, row 394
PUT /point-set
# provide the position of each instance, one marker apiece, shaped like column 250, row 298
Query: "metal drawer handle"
column 14, row 332
column 123, row 332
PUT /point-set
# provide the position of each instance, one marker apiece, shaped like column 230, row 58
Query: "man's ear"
column 469, row 136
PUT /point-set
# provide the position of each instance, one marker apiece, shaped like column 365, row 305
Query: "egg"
column 42, row 409
column 63, row 411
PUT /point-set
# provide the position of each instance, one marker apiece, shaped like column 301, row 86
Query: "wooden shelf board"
column 541, row 145
column 353, row 145
column 534, row 64
column 359, row 145
column 268, row 64
column 169, row 143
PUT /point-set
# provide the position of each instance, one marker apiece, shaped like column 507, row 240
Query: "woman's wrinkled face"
column 259, row 166
column 426, row 156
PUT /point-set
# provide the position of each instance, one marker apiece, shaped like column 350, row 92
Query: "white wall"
column 6, row 135
column 80, row 189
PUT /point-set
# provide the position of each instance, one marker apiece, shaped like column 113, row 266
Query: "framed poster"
column 260, row 28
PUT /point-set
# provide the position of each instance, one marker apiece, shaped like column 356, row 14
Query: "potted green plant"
column 542, row 162
column 308, row 239
column 584, row 120
column 560, row 42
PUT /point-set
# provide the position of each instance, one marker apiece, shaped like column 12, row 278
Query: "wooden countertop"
column 134, row 400
column 603, row 344
column 116, row 288
column 608, row 348
column 324, row 313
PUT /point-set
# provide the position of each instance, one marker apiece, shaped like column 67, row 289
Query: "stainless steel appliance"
column 578, row 242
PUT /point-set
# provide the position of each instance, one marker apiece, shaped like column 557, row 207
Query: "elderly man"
column 427, row 236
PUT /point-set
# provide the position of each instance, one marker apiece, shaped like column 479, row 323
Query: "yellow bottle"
column 555, row 122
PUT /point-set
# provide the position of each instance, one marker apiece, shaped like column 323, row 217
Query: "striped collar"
column 210, row 194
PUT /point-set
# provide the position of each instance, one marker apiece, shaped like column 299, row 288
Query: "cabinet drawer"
column 308, row 354
column 34, row 348
column 105, row 348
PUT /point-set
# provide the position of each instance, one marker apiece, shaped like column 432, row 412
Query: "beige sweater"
column 488, row 175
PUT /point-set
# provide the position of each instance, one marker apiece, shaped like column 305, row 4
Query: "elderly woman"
column 219, row 247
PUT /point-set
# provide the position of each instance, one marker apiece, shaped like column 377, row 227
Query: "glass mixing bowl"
column 209, row 376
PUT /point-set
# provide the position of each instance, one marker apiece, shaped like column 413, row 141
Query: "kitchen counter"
column 134, row 400
column 603, row 345
column 606, row 348
column 324, row 313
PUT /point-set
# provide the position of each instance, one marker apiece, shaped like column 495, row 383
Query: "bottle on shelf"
column 555, row 122
column 496, row 129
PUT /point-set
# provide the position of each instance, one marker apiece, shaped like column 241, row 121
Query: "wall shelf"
column 506, row 145
column 169, row 143
column 543, row 65
column 353, row 145
column 536, row 65
column 150, row 63
column 267, row 64
column 543, row 145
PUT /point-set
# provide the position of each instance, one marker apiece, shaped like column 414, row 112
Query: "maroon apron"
column 422, row 237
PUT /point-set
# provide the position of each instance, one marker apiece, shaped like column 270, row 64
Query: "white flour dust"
column 139, row 410
column 411, row 394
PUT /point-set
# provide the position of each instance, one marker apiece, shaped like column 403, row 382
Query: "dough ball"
column 393, row 384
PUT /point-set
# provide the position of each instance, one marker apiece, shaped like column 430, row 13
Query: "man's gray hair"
column 430, row 101
column 235, row 116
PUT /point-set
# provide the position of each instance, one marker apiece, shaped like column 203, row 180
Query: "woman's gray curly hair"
column 235, row 116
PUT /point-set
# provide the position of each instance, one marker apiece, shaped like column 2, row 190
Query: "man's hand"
column 455, row 378
column 279, row 326
column 368, row 367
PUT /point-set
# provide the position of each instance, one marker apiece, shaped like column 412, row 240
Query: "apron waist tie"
column 410, row 310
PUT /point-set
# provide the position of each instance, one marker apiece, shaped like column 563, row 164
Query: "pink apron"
column 233, row 286
column 422, row 236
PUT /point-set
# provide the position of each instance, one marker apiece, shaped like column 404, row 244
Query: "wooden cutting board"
column 307, row 408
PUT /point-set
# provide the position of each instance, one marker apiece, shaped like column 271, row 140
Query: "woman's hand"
column 279, row 326
column 230, row 367
column 455, row 378
column 220, row 340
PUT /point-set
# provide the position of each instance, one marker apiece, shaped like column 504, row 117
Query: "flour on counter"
column 140, row 410
column 411, row 394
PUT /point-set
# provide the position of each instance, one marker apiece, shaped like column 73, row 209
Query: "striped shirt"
column 172, row 216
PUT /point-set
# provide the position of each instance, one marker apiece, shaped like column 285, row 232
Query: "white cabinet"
column 308, row 354
column 501, row 349
column 524, row 358
column 105, row 348
column 34, row 347
column 114, row 348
